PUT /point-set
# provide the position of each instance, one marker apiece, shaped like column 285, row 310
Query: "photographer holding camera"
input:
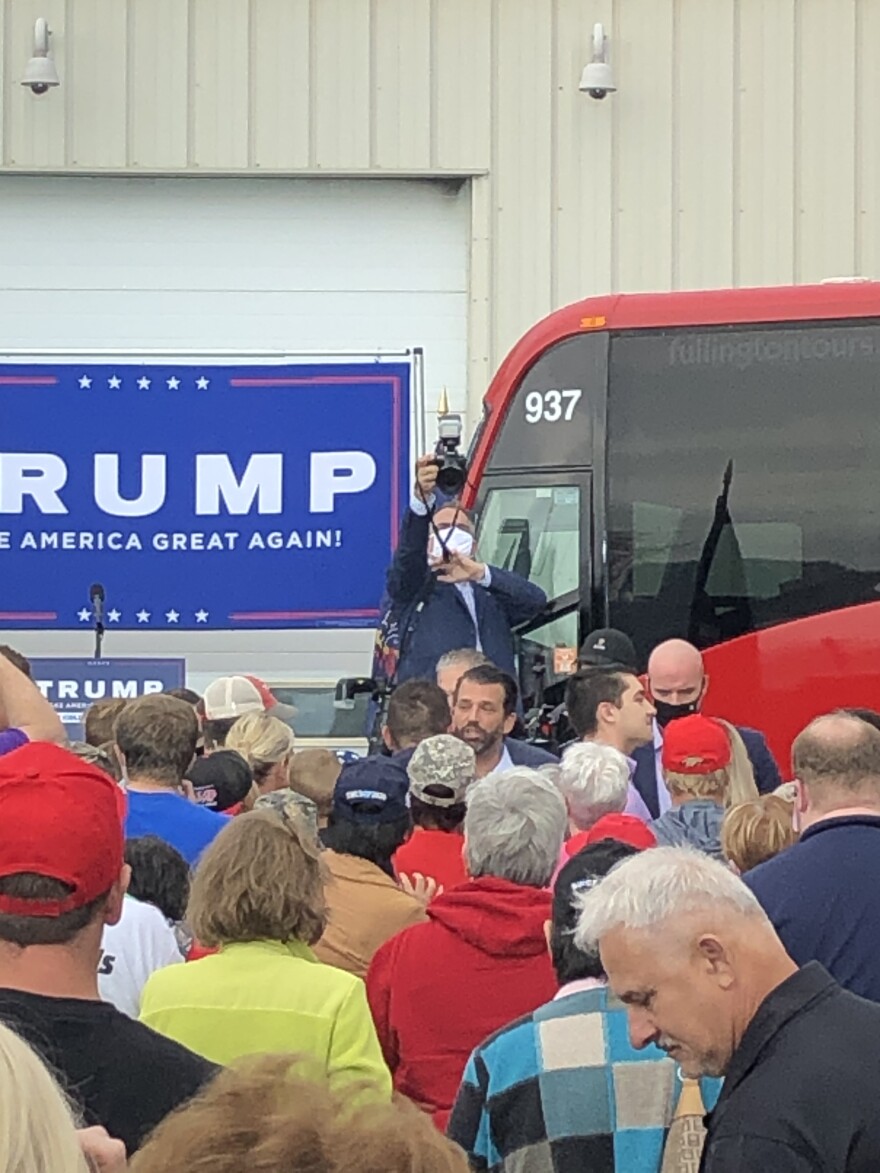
column 445, row 597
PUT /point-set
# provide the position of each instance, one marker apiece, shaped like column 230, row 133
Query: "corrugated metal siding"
column 741, row 147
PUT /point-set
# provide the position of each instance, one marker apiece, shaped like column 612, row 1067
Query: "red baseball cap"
column 623, row 828
column 273, row 706
column 695, row 745
column 60, row 818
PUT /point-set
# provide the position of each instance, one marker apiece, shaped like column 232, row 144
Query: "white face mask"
column 455, row 539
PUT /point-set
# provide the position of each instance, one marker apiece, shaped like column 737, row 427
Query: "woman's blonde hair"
column 262, row 740
column 37, row 1127
column 712, row 785
column 741, row 784
column 262, row 1115
column 754, row 832
column 260, row 880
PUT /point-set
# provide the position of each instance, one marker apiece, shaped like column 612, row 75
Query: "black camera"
column 451, row 465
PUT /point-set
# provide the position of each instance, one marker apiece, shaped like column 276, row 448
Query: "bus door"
column 539, row 525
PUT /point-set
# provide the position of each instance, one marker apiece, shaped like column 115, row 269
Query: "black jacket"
column 433, row 616
column 802, row 1092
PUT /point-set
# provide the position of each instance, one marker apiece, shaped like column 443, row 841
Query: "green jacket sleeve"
column 355, row 1055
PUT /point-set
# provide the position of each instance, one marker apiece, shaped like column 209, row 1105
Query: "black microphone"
column 96, row 598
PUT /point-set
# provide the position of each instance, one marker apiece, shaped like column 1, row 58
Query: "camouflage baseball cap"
column 277, row 800
column 441, row 769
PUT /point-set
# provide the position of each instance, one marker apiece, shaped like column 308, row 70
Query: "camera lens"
column 451, row 475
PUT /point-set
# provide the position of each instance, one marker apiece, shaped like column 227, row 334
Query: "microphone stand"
column 99, row 626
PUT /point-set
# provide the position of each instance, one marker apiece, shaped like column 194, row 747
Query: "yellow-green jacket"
column 263, row 996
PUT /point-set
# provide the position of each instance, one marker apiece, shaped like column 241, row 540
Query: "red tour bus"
column 704, row 465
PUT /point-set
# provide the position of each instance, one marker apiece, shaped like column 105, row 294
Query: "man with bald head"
column 703, row 975
column 822, row 893
column 678, row 683
column 444, row 597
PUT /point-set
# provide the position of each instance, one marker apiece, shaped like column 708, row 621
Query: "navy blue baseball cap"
column 372, row 790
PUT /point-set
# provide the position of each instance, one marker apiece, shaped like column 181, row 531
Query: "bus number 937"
column 551, row 406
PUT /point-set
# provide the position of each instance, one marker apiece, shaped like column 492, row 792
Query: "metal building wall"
column 741, row 147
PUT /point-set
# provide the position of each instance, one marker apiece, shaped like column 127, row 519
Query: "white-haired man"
column 594, row 780
column 438, row 989
column 703, row 975
column 452, row 666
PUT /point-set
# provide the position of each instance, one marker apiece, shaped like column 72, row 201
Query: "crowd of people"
column 466, row 952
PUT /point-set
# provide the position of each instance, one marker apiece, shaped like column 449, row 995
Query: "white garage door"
column 236, row 265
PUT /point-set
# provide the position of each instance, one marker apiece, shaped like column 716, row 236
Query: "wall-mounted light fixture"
column 41, row 74
column 597, row 80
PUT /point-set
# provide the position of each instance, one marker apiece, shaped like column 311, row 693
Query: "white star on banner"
column 143, row 383
column 85, row 382
column 172, row 616
column 114, row 383
column 143, row 616
column 202, row 383
column 114, row 616
column 201, row 616
column 172, row 383
column 84, row 615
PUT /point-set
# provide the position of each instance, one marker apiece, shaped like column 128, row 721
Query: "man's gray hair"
column 656, row 886
column 594, row 780
column 514, row 827
column 465, row 658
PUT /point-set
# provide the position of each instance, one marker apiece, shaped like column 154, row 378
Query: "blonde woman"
column 37, row 1128
column 753, row 832
column 741, row 784
column 266, row 744
column 258, row 894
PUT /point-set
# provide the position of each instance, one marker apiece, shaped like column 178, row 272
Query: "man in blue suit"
column 678, row 684
column 445, row 598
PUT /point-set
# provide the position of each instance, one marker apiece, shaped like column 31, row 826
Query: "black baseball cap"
column 606, row 647
column 582, row 872
column 372, row 790
column 220, row 780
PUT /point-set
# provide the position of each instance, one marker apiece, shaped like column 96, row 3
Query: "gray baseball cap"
column 441, row 769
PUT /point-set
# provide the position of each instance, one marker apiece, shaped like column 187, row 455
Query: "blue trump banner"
column 72, row 685
column 200, row 496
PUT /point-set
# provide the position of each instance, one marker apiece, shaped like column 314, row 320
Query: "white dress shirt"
column 664, row 802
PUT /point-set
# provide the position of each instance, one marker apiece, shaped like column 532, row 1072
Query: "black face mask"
column 667, row 712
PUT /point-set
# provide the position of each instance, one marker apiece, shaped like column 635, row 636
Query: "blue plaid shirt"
column 563, row 1091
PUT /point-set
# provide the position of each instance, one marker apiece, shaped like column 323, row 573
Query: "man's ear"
column 120, row 757
column 705, row 687
column 509, row 722
column 113, row 907
column 388, row 739
column 801, row 797
column 800, row 805
column 548, row 930
column 606, row 713
column 716, row 959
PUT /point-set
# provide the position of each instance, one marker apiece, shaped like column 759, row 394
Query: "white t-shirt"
column 131, row 950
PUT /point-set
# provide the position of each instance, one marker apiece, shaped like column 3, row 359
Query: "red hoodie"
column 438, row 989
